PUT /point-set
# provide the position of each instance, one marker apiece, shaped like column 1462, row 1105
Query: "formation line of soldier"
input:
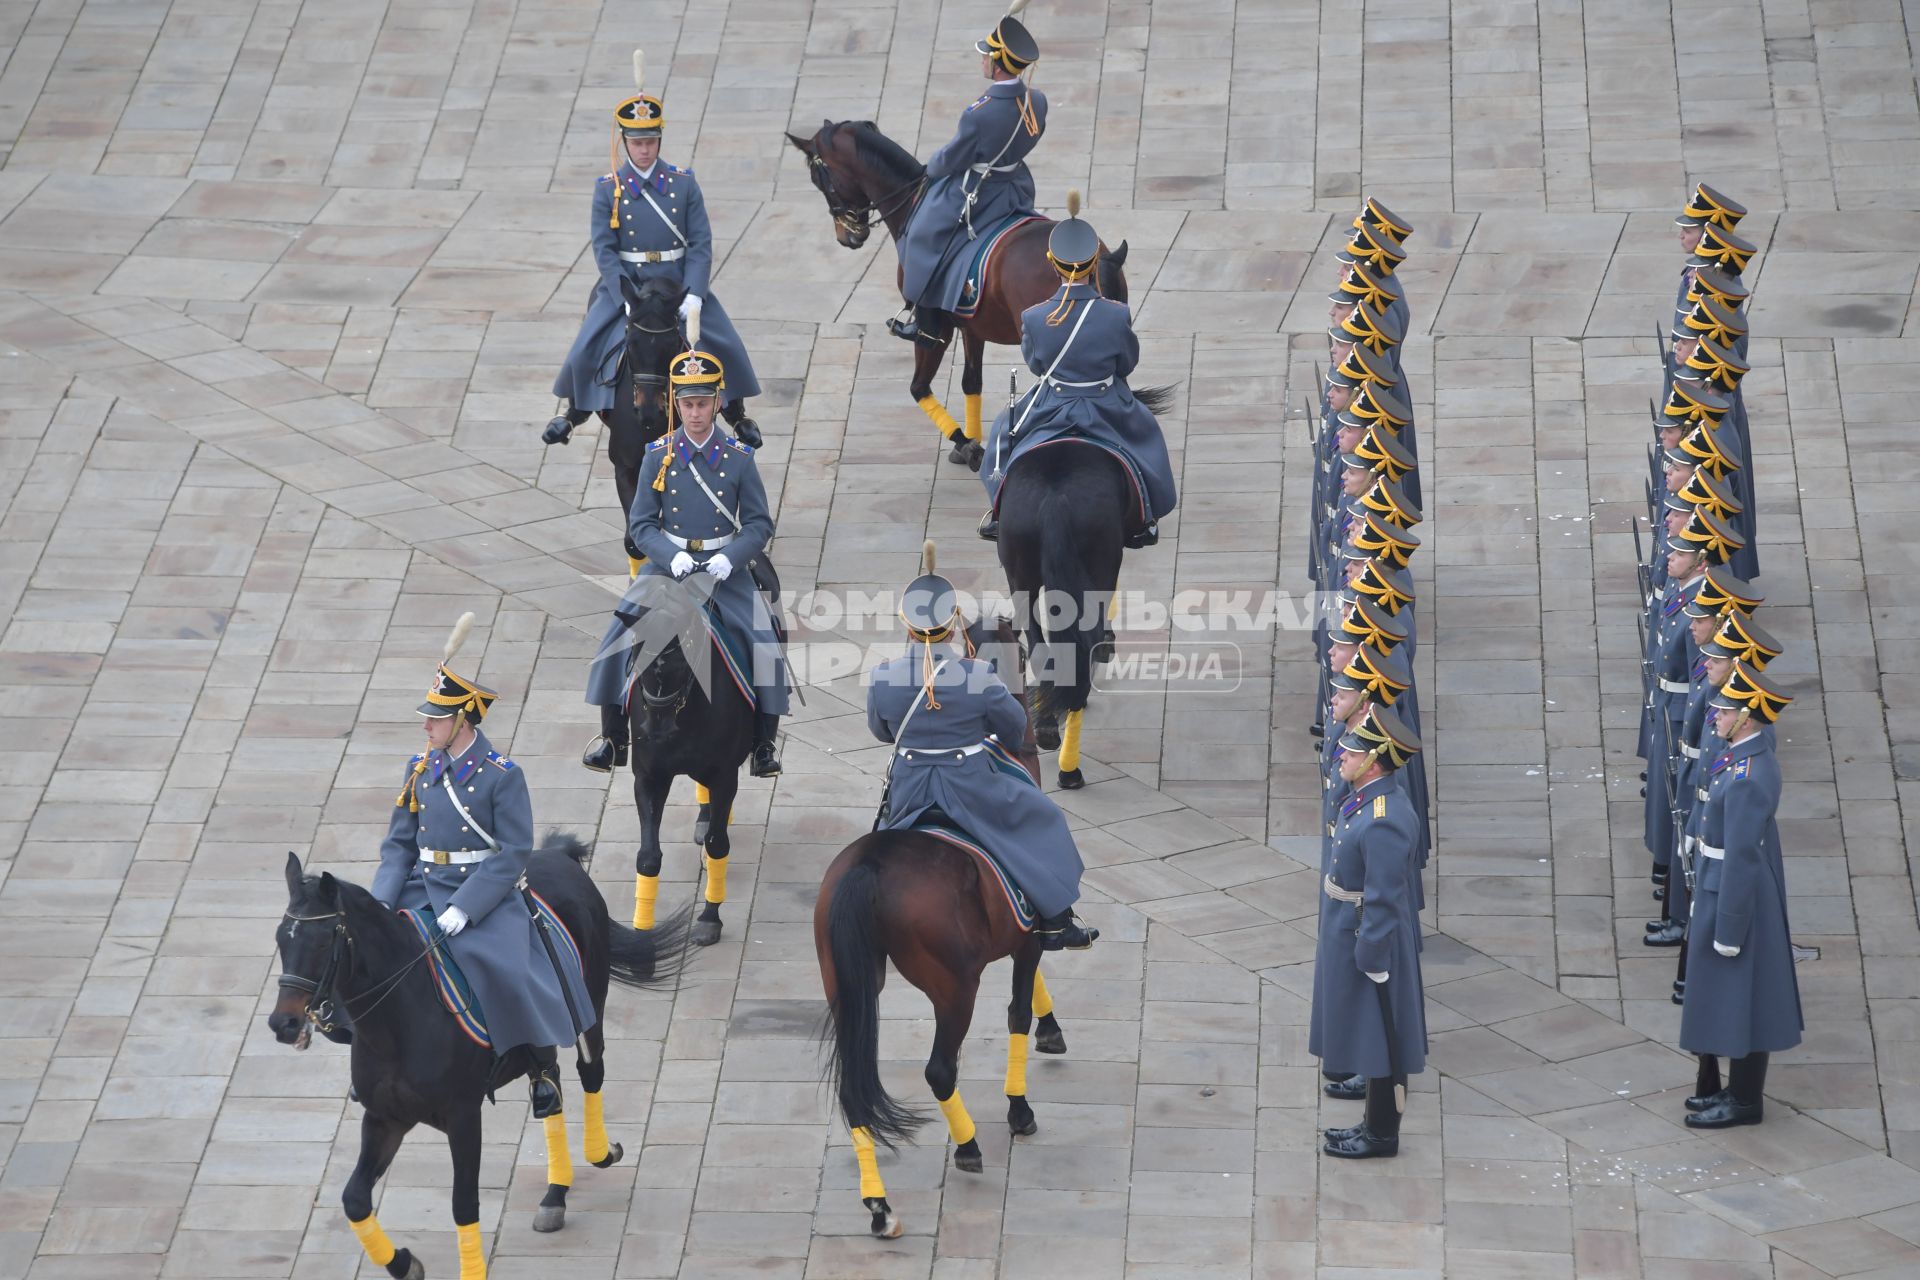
column 1707, row 719
column 1369, row 1007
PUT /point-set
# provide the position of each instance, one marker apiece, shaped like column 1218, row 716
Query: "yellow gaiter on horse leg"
column 959, row 1123
column 559, row 1163
column 473, row 1259
column 1017, row 1065
column 374, row 1240
column 716, row 879
column 645, row 890
column 973, row 416
column 633, row 567
column 701, row 795
column 1042, row 1000
column 595, row 1120
column 1070, row 742
column 871, row 1188
column 938, row 415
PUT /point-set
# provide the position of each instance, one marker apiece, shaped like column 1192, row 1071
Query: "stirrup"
column 544, row 1101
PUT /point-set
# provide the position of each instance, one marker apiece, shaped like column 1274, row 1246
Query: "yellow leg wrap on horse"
column 595, row 1120
column 559, row 1163
column 959, row 1123
column 701, row 795
column 716, row 879
column 633, row 567
column 938, row 415
column 1042, row 1000
column 973, row 416
column 473, row 1259
column 1070, row 742
column 645, row 890
column 374, row 1240
column 1017, row 1066
column 871, row 1188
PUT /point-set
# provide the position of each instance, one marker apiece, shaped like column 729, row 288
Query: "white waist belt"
column 1338, row 894
column 1675, row 686
column 974, row 750
column 652, row 255
column 442, row 858
column 1691, row 753
column 1708, row 851
column 1100, row 385
column 714, row 543
column 983, row 168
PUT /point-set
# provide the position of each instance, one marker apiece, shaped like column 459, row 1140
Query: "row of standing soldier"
column 1707, row 718
column 1369, row 1016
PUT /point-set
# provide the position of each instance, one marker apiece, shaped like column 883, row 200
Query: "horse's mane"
column 877, row 149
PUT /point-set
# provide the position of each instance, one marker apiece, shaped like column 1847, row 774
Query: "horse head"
column 653, row 340
column 313, row 945
column 664, row 688
column 862, row 174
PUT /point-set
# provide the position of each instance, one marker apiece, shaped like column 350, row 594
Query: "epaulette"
column 674, row 168
column 1740, row 770
column 416, row 760
column 980, row 101
column 735, row 444
column 605, row 177
column 496, row 758
column 661, row 443
column 1379, row 806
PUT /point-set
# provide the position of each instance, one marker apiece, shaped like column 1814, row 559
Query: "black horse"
column 343, row 953
column 704, row 731
column 1064, row 521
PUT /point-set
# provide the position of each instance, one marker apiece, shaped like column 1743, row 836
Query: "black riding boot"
column 1707, row 1088
column 1379, row 1131
column 990, row 526
column 543, row 1088
column 1740, row 1102
column 1063, row 933
column 608, row 751
column 766, row 740
column 926, row 326
column 1344, row 1087
column 745, row 429
column 560, row 429
column 1146, row 537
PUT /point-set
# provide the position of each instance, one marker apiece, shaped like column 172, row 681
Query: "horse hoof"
column 613, row 1155
column 702, row 824
column 1047, row 736
column 1048, row 1037
column 409, row 1264
column 967, row 1158
column 705, row 933
column 885, row 1224
column 976, row 454
column 1072, row 780
column 551, row 1217
column 958, row 454
column 1020, row 1118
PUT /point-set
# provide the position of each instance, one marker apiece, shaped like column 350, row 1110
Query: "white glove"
column 690, row 306
column 452, row 921
column 1377, row 977
column 1726, row 950
column 681, row 565
column 720, row 567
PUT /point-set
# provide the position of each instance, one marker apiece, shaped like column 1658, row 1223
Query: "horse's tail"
column 854, row 943
column 649, row 958
column 567, row 844
column 1157, row 399
column 1063, row 572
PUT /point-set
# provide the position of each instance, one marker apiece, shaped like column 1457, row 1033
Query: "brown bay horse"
column 866, row 175
column 927, row 906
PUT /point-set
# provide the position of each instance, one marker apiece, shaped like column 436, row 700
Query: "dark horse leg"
column 953, row 1014
column 650, row 797
column 379, row 1143
column 463, row 1144
column 552, row 1214
column 706, row 929
column 626, row 482
column 1026, row 964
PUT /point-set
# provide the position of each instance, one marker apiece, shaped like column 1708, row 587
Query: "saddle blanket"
column 456, row 993
column 982, row 260
column 1137, row 515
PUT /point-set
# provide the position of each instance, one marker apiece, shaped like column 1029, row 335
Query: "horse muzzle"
column 289, row 1027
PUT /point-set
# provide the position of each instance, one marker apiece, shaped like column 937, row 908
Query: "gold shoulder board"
column 1379, row 806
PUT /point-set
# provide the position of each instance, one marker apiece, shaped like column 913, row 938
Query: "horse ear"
column 294, row 874
column 803, row 145
column 629, row 291
column 1118, row 257
column 329, row 889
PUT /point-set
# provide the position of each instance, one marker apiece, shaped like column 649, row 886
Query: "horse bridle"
column 651, row 379
column 849, row 219
column 677, row 700
column 320, row 1004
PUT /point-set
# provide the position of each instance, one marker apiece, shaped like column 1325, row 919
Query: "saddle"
column 985, row 247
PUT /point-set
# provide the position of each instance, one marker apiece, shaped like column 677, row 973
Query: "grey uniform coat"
column 1373, row 853
column 1009, row 815
column 1748, row 1003
column 1102, row 352
column 587, row 377
column 500, row 950
column 680, row 508
column 938, row 248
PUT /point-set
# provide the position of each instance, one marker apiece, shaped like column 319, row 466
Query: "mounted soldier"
column 1081, row 348
column 649, row 221
column 977, row 181
column 456, row 851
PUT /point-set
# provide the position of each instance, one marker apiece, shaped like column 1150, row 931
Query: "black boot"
column 1346, row 1088
column 1146, row 537
column 608, row 751
column 1707, row 1088
column 560, row 430
column 1379, row 1133
column 766, row 738
column 1063, row 933
column 990, row 526
column 925, row 326
column 1670, row 934
column 1740, row 1102
column 745, row 429
column 543, row 1088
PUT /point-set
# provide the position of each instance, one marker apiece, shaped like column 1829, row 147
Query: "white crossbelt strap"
column 1033, row 396
column 733, row 518
column 446, row 781
column 980, row 172
column 647, row 195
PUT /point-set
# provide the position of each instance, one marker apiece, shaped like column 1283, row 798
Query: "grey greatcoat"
column 1087, row 396
column 679, row 509
column 500, row 950
column 587, row 377
column 1373, row 844
column 939, row 245
column 1009, row 815
column 1748, row 1003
